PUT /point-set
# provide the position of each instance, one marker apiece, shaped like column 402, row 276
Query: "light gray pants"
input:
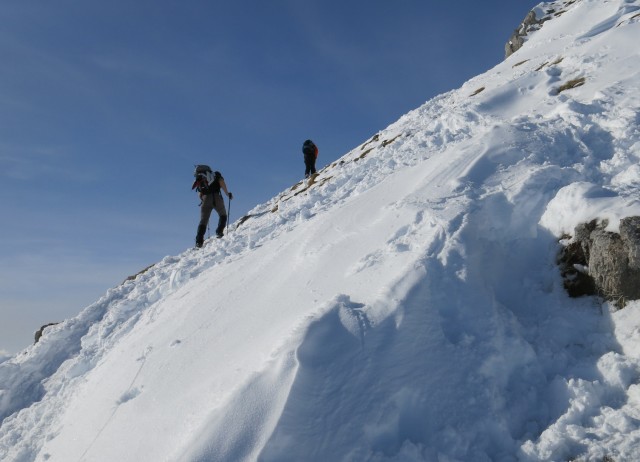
column 210, row 202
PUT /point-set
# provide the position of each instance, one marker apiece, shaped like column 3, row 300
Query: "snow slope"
column 403, row 307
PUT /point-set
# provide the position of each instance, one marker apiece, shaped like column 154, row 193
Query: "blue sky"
column 106, row 106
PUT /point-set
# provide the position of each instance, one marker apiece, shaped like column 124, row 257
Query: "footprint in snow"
column 129, row 395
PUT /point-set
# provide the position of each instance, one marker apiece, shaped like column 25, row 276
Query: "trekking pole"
column 229, row 215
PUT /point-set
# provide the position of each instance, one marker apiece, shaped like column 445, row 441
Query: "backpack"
column 204, row 177
column 309, row 149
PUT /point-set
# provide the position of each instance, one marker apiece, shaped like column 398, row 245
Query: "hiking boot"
column 222, row 222
column 200, row 235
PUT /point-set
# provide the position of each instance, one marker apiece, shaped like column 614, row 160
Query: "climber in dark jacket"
column 310, row 151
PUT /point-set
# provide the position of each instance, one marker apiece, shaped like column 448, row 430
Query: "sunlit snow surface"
column 403, row 307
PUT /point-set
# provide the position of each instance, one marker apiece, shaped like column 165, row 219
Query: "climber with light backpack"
column 209, row 185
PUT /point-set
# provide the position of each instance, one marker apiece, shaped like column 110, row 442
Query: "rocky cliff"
column 533, row 21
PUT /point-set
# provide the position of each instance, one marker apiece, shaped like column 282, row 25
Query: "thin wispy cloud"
column 24, row 162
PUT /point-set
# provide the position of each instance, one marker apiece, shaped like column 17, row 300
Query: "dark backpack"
column 309, row 149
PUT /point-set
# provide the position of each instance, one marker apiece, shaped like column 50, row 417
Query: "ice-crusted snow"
column 403, row 307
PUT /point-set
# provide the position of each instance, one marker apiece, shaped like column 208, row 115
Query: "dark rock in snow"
column 611, row 261
column 573, row 268
column 40, row 331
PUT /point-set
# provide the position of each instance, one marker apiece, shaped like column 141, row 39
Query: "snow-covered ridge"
column 404, row 306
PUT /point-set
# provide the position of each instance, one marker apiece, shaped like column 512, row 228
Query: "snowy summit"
column 403, row 305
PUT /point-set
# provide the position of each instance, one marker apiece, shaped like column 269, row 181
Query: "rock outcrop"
column 40, row 331
column 533, row 21
column 597, row 261
column 518, row 37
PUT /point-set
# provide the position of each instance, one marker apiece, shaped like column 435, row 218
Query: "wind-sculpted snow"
column 402, row 305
